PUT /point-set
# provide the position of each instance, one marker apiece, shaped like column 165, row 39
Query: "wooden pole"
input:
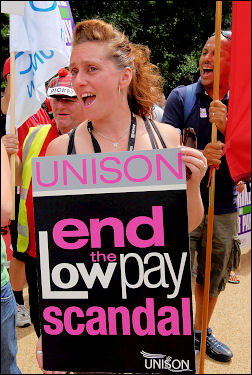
column 12, row 128
column 218, row 16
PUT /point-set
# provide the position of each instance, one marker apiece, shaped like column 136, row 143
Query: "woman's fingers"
column 196, row 162
column 194, row 157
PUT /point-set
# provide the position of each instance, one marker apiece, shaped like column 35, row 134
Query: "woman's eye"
column 74, row 72
column 92, row 68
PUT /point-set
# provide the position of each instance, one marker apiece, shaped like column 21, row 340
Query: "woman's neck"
column 114, row 124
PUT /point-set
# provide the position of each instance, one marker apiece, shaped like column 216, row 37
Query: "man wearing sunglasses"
column 202, row 112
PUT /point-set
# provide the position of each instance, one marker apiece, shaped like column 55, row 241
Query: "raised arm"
column 6, row 200
column 10, row 142
column 197, row 163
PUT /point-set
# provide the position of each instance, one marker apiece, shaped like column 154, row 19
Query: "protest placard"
column 113, row 260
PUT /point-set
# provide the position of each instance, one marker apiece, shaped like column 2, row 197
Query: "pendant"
column 115, row 144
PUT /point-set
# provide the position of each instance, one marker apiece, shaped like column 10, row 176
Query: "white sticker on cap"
column 61, row 90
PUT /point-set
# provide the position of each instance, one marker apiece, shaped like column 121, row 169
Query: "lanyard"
column 132, row 135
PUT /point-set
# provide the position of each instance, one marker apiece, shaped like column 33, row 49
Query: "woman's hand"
column 197, row 163
column 39, row 356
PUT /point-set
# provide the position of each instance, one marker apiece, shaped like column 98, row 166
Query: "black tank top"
column 72, row 151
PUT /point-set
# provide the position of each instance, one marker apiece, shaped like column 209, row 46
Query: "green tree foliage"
column 175, row 31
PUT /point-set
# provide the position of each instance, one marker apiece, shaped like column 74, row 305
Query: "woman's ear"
column 126, row 78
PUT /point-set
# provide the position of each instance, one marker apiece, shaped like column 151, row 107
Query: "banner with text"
column 114, row 265
column 67, row 22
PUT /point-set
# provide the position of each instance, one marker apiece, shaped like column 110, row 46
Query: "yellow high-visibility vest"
column 31, row 148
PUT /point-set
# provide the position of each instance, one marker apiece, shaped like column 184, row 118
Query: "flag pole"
column 218, row 16
column 12, row 129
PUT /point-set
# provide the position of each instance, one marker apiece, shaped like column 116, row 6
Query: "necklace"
column 115, row 143
column 132, row 135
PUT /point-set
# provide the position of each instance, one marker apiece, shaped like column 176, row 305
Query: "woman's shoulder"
column 58, row 146
column 169, row 133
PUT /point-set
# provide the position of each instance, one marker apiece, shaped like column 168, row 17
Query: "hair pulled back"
column 146, row 85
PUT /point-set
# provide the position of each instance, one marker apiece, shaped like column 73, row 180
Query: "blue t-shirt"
column 198, row 119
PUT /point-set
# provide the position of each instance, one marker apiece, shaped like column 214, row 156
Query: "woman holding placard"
column 118, row 87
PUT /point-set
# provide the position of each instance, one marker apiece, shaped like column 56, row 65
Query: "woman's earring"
column 119, row 90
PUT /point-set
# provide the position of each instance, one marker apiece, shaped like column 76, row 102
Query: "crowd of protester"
column 124, row 88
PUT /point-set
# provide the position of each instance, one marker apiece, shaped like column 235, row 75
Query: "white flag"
column 13, row 7
column 38, row 40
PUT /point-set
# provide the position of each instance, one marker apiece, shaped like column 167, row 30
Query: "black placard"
column 114, row 280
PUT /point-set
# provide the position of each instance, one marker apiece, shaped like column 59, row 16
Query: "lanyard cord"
column 132, row 135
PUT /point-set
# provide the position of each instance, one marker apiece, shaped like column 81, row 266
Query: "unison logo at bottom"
column 163, row 362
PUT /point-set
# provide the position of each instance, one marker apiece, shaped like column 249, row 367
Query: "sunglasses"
column 189, row 138
column 226, row 34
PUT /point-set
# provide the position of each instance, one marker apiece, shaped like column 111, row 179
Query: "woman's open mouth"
column 88, row 99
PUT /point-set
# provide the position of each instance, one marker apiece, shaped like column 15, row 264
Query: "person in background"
column 233, row 278
column 186, row 79
column 67, row 114
column 204, row 111
column 158, row 110
column 118, row 86
column 17, row 266
column 5, row 95
column 162, row 101
column 8, row 304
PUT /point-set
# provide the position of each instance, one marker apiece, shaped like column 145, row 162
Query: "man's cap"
column 61, row 85
column 6, row 68
column 226, row 33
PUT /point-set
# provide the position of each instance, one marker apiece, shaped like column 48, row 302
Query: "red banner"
column 238, row 133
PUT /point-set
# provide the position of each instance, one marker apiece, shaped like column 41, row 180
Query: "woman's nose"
column 79, row 80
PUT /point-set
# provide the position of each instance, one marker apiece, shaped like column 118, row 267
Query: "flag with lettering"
column 68, row 22
column 38, row 40
column 238, row 132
